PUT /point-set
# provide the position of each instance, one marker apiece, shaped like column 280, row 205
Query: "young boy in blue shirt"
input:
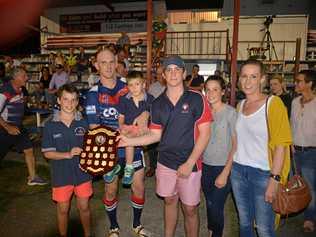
column 134, row 103
column 62, row 144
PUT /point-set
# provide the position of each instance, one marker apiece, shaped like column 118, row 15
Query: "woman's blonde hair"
column 278, row 77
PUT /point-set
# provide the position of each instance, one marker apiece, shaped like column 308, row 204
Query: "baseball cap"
column 176, row 60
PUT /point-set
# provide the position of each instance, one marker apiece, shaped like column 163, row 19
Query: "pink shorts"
column 169, row 184
column 64, row 193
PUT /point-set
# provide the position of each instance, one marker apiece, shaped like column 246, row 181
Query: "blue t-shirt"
column 179, row 124
column 102, row 104
column 128, row 108
column 11, row 105
column 58, row 137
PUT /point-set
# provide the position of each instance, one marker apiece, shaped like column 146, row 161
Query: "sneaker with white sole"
column 140, row 231
column 114, row 232
column 36, row 181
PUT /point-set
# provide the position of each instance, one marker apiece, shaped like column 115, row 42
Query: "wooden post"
column 227, row 46
column 149, row 39
column 297, row 57
column 234, row 53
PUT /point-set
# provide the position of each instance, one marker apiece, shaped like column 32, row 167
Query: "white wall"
column 285, row 28
column 278, row 7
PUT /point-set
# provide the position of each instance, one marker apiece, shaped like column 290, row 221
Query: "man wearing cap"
column 181, row 122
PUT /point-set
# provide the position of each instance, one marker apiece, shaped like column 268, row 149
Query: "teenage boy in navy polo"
column 181, row 122
column 62, row 142
column 102, row 109
column 131, row 106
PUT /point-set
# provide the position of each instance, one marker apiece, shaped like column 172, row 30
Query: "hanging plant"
column 159, row 29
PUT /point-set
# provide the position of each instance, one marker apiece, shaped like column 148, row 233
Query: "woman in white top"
column 303, row 121
column 256, row 172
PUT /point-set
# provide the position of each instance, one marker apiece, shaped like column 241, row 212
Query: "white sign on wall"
column 114, row 27
column 105, row 22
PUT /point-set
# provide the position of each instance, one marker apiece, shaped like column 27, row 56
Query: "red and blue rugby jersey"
column 11, row 105
column 102, row 103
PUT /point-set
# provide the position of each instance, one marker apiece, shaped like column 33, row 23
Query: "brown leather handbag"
column 293, row 196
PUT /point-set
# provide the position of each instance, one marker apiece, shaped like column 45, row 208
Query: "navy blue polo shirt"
column 128, row 108
column 58, row 137
column 179, row 124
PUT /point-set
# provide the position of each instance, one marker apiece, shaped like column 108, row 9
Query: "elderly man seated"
column 11, row 129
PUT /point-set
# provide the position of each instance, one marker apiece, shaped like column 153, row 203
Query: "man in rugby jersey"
column 101, row 109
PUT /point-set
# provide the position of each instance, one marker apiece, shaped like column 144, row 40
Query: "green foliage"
column 159, row 26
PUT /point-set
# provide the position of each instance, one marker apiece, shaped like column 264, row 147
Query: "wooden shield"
column 99, row 154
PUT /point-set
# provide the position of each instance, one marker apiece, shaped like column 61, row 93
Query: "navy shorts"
column 138, row 162
column 21, row 141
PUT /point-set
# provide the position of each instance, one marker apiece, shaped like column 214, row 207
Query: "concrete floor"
column 33, row 214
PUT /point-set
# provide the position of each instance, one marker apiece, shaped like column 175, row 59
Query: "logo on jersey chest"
column 107, row 99
column 79, row 131
column 185, row 108
column 110, row 112
column 57, row 135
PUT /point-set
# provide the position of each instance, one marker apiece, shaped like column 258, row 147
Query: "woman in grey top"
column 217, row 158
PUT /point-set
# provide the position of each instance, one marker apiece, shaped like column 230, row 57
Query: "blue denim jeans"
column 215, row 198
column 306, row 164
column 249, row 185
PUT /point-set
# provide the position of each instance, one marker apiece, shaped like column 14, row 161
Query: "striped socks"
column 137, row 204
column 111, row 207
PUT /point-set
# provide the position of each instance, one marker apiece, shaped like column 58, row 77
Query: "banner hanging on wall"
column 104, row 22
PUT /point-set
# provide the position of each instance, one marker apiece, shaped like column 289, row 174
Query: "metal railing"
column 198, row 44
column 279, row 50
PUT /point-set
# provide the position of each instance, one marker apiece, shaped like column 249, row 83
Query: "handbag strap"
column 293, row 163
column 267, row 122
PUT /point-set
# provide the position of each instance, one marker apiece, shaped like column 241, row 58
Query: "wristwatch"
column 276, row 177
